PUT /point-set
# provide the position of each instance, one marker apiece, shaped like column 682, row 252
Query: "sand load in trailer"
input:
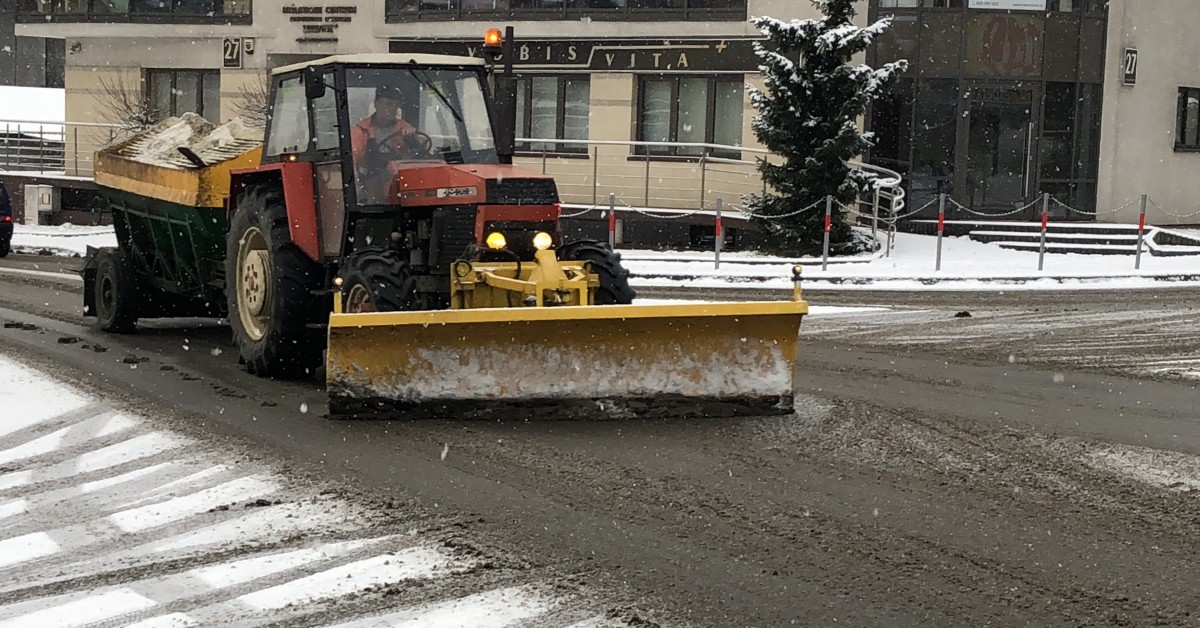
column 166, row 189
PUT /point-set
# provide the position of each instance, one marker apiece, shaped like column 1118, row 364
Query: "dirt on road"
column 920, row 483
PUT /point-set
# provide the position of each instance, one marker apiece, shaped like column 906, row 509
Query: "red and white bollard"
column 1137, row 259
column 1045, row 225
column 941, row 228
column 828, row 225
column 719, row 230
column 612, row 221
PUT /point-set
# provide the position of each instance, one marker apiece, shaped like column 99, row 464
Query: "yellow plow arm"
column 708, row 359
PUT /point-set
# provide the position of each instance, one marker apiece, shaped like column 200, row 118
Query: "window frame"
column 738, row 11
column 710, row 114
column 91, row 14
column 1087, row 8
column 524, row 125
column 1181, row 126
column 202, row 73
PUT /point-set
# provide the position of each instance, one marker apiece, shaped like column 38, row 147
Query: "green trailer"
column 166, row 189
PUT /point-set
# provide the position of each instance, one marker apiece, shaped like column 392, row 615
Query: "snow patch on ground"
column 61, row 240
column 490, row 609
column 1166, row 469
column 410, row 564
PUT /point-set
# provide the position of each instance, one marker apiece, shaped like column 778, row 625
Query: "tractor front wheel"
column 269, row 289
column 377, row 280
column 614, row 279
column 115, row 293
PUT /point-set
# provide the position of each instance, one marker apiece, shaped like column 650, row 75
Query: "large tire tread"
column 614, row 278
column 122, row 316
column 290, row 349
column 385, row 275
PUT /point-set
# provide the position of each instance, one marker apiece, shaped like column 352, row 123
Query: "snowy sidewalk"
column 966, row 265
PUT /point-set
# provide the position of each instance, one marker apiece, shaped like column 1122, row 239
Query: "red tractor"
column 378, row 174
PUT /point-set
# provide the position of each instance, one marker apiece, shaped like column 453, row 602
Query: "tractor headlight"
column 462, row 269
column 496, row 241
column 542, row 241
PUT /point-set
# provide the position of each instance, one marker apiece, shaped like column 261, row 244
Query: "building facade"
column 997, row 106
column 1003, row 100
column 1094, row 102
column 28, row 61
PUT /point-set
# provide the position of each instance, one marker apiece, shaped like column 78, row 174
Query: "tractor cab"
column 407, row 151
column 383, row 118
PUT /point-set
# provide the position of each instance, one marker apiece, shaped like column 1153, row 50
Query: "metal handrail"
column 691, row 183
column 888, row 182
column 87, row 125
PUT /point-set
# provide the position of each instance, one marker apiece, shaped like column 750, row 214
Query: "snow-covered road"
column 108, row 519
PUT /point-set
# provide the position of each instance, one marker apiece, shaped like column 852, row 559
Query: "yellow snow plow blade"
column 709, row 359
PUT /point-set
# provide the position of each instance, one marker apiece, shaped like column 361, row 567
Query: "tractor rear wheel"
column 269, row 290
column 377, row 280
column 614, row 278
column 115, row 292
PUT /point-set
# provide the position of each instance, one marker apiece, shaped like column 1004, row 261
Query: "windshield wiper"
column 425, row 80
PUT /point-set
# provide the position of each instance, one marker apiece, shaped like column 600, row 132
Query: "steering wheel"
column 417, row 141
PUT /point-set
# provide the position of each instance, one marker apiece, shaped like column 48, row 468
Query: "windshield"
column 414, row 114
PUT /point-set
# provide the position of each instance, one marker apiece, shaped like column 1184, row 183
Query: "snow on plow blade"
column 715, row 359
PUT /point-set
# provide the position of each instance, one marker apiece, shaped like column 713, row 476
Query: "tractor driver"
column 380, row 138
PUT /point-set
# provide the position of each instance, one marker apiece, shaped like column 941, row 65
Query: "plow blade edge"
column 720, row 359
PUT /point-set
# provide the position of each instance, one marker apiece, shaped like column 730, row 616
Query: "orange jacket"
column 361, row 135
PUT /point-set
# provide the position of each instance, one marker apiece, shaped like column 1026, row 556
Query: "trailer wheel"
column 115, row 293
column 614, row 279
column 377, row 280
column 270, row 289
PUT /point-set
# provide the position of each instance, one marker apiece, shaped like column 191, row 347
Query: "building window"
column 693, row 110
column 182, row 11
column 176, row 92
column 1089, row 7
column 1187, row 135
column 555, row 108
column 643, row 10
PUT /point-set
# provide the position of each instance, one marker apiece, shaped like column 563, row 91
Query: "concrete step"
column 1128, row 239
column 1068, row 247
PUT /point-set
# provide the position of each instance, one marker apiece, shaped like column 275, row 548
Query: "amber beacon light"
column 492, row 38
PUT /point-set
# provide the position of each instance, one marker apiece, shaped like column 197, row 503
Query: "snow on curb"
column 967, row 266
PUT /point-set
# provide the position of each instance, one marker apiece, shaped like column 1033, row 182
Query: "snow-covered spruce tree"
column 808, row 117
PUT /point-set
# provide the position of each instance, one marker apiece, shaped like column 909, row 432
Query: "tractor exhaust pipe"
column 506, row 102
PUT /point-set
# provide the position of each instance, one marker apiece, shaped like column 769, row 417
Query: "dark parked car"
column 6, row 222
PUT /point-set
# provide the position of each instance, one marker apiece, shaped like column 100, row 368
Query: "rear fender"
column 299, row 195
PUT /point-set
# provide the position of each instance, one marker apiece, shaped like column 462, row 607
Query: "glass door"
column 997, row 136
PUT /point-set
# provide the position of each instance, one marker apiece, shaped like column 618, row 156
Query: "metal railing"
column 692, row 179
column 40, row 147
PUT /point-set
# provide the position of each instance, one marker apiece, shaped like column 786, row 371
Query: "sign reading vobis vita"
column 613, row 55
